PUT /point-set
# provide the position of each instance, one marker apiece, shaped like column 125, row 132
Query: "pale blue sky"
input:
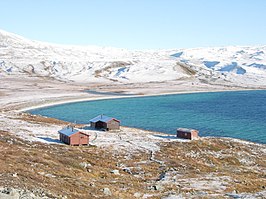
column 138, row 24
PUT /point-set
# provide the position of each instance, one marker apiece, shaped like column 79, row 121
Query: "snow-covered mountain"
column 236, row 64
column 239, row 65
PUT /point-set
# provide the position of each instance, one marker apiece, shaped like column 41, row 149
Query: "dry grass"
column 186, row 68
column 219, row 158
column 107, row 69
column 40, row 119
column 56, row 169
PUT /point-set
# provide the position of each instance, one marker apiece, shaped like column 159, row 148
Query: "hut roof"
column 68, row 131
column 103, row 118
column 186, row 130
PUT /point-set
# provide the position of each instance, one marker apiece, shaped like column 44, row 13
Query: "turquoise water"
column 224, row 114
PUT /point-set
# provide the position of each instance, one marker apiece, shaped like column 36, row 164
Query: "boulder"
column 115, row 172
column 107, row 192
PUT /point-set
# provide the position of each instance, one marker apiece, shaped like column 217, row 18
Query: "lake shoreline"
column 206, row 129
column 117, row 96
column 33, row 93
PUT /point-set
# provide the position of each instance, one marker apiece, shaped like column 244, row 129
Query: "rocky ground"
column 204, row 168
column 131, row 163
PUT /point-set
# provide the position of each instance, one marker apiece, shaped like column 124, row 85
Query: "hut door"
column 99, row 125
column 81, row 138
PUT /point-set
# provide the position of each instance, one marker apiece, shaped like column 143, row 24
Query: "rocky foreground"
column 204, row 168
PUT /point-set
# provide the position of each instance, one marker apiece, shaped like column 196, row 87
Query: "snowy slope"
column 230, row 59
column 239, row 65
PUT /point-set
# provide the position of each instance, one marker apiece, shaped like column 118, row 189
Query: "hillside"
column 206, row 168
column 241, row 66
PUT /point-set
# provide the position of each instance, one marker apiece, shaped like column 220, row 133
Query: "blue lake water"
column 240, row 114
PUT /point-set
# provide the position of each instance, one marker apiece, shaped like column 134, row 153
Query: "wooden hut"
column 187, row 133
column 72, row 136
column 105, row 122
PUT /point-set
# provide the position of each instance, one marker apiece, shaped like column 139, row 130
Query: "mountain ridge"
column 234, row 64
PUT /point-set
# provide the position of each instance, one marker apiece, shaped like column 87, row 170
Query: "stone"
column 9, row 193
column 107, row 192
column 6, row 190
column 15, row 193
column 115, row 172
column 137, row 195
column 162, row 175
column 157, row 187
column 84, row 165
column 127, row 170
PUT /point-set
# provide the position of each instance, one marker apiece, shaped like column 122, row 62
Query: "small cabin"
column 105, row 122
column 187, row 133
column 73, row 137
